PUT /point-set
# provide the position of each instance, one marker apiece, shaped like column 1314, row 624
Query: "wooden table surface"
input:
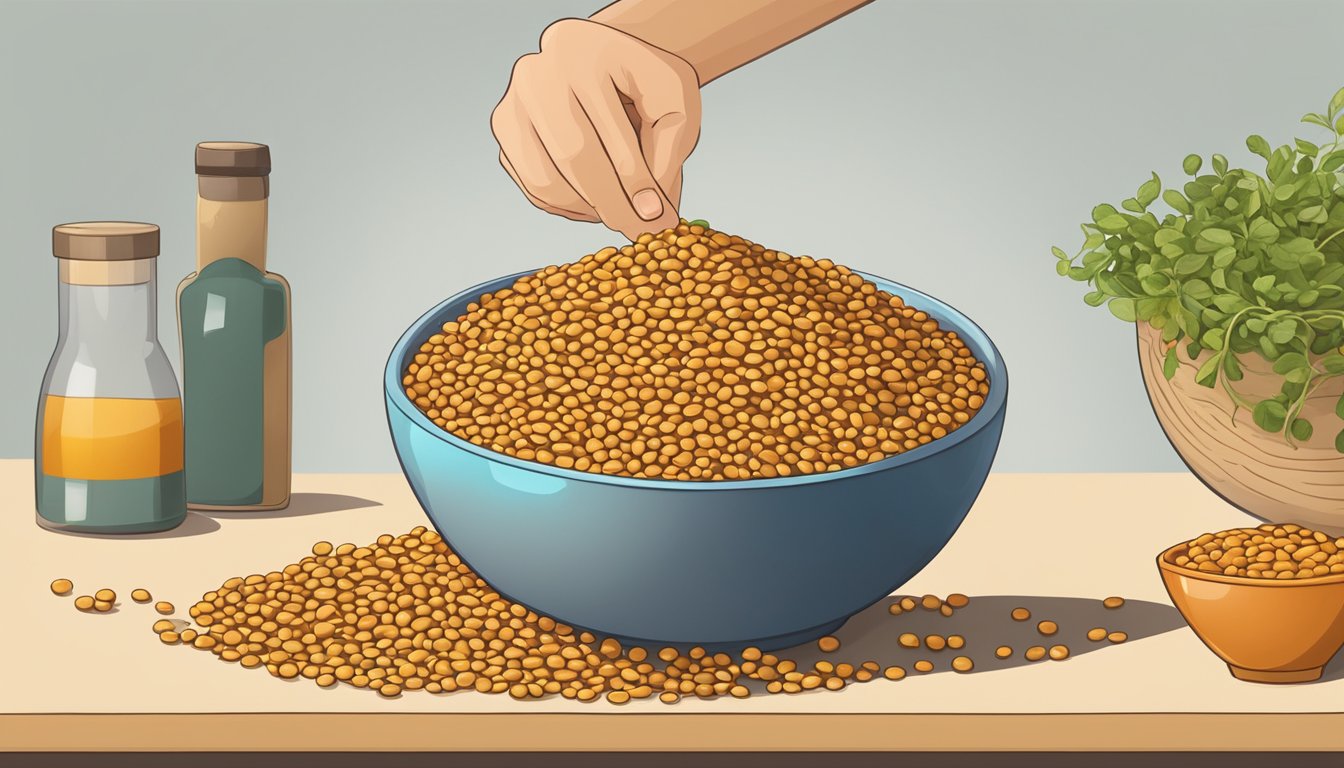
column 1055, row 544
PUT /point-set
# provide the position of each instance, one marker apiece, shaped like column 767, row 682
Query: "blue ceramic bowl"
column 725, row 564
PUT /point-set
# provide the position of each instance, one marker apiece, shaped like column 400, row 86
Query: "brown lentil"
column 1003, row 651
column 1035, row 653
column 963, row 664
column 62, row 587
column 105, row 595
column 1097, row 634
column 955, row 641
column 1117, row 637
column 164, row 607
column 935, row 642
column 102, row 606
column 1047, row 628
column 163, row 625
column 1021, row 614
column 696, row 355
column 84, row 602
column 1113, row 602
column 1286, row 551
column 141, row 595
column 957, row 600
column 908, row 640
column 828, row 644
column 1059, row 652
column 893, row 673
column 923, row 665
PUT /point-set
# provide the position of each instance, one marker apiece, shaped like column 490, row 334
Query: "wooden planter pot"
column 1254, row 470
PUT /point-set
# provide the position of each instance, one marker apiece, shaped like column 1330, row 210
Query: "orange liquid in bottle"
column 111, row 438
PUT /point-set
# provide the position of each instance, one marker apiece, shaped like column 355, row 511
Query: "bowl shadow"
column 986, row 623
column 300, row 505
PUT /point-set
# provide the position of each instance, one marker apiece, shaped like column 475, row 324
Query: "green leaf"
column 1289, row 361
column 1337, row 102
column 1093, row 240
column 1061, row 268
column 1177, row 201
column 1219, row 237
column 1333, row 363
column 1131, row 204
column 1191, row 263
column 1263, row 283
column 1339, row 440
column 1059, row 253
column 1207, row 375
column 1307, row 148
column 1282, row 331
column 1219, row 164
column 1112, row 223
column 1149, row 190
column 1258, row 145
column 1191, row 164
column 1213, row 338
column 1102, row 211
column 1301, row 430
column 1314, row 214
column 1269, row 415
column 1311, row 118
column 1094, row 298
column 699, row 223
column 1263, row 231
column 1170, row 364
column 1224, row 256
column 1333, row 161
column 1122, row 308
column 1285, row 191
column 1339, row 407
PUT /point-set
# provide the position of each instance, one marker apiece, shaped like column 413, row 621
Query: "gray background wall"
column 942, row 144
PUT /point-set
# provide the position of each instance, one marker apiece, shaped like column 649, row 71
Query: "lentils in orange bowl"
column 696, row 355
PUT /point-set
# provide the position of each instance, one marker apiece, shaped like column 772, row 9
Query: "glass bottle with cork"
column 234, row 325
column 109, row 448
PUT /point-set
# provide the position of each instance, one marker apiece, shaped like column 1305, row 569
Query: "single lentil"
column 1059, row 652
column 1021, row 614
column 1047, row 628
column 141, row 595
column 62, row 587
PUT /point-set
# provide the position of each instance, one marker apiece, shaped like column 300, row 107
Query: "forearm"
column 718, row 36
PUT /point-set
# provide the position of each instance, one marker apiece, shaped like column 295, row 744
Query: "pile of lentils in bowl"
column 696, row 355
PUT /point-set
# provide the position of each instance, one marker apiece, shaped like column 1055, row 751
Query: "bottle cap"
column 232, row 158
column 105, row 241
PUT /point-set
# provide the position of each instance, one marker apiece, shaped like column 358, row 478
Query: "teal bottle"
column 234, row 326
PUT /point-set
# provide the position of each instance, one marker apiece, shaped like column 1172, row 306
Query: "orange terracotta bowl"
column 1267, row 631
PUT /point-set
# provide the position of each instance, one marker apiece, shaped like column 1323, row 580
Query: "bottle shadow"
column 985, row 624
column 194, row 524
column 300, row 505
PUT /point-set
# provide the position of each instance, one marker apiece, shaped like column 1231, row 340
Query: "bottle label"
column 111, row 438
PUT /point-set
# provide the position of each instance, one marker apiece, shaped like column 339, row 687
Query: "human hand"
column 596, row 127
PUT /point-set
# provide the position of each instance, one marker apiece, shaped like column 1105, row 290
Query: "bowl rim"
column 1165, row 564
column 975, row 336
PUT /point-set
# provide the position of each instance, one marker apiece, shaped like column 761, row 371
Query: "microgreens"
column 1244, row 264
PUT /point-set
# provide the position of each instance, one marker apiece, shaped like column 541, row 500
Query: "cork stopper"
column 232, row 158
column 105, row 241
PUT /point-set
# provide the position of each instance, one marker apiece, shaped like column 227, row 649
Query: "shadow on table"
column 300, row 505
column 986, row 624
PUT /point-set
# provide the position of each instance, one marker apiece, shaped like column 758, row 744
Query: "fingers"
column 524, row 158
column 567, row 132
column 662, row 92
column 622, row 147
column 585, row 215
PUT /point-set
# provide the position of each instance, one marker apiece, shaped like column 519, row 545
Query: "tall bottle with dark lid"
column 234, row 325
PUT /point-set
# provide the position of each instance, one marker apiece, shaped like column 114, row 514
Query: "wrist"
column 653, row 33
